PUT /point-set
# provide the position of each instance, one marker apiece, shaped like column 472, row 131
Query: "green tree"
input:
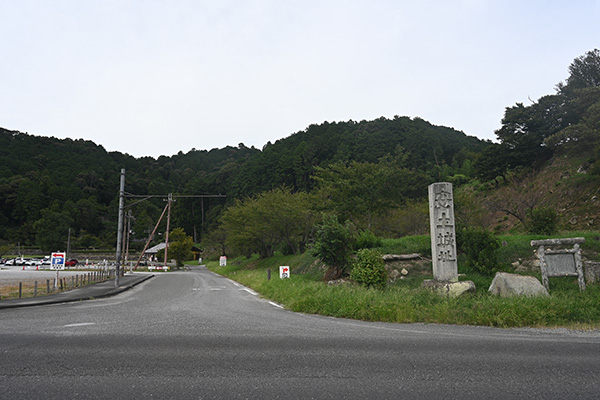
column 361, row 191
column 543, row 221
column 584, row 72
column 274, row 219
column 180, row 246
column 52, row 228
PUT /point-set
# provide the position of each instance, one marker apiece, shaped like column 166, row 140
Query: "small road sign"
column 57, row 261
column 284, row 272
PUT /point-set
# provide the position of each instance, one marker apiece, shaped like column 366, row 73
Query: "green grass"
column 406, row 245
column 405, row 302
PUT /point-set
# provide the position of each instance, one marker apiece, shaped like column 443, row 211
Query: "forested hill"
column 48, row 185
column 292, row 161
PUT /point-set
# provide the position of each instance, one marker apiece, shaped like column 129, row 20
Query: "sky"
column 152, row 78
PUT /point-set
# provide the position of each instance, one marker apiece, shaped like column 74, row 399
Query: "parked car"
column 17, row 261
column 71, row 263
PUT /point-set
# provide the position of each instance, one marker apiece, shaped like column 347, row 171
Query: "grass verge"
column 405, row 302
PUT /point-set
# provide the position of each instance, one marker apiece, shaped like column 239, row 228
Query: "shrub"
column 543, row 221
column 480, row 248
column 369, row 269
column 333, row 246
column 366, row 240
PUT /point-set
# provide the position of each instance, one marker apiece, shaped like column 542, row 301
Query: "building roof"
column 156, row 249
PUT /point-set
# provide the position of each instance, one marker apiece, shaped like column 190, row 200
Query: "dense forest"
column 370, row 174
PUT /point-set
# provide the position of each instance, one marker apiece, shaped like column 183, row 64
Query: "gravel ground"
column 11, row 276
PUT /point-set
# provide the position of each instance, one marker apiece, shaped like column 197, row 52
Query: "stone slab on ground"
column 401, row 257
column 450, row 289
column 506, row 285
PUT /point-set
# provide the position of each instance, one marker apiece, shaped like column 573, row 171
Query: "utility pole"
column 129, row 218
column 169, row 201
column 68, row 245
column 120, row 227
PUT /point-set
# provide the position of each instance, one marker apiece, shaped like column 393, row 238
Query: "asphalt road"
column 196, row 335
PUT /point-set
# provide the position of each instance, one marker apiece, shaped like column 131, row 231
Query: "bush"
column 333, row 246
column 366, row 240
column 543, row 221
column 480, row 248
column 369, row 269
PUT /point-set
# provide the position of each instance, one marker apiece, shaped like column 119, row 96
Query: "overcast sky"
column 149, row 77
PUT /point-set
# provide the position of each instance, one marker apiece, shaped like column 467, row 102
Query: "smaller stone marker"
column 443, row 235
column 592, row 271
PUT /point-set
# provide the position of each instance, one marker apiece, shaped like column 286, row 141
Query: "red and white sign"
column 223, row 261
column 158, row 268
column 57, row 261
column 284, row 272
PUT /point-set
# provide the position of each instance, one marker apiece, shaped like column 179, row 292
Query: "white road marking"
column 79, row 324
column 275, row 304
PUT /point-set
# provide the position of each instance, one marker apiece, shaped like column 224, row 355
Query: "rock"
column 506, row 285
column 338, row 282
column 394, row 275
column 404, row 272
column 401, row 257
column 592, row 271
column 450, row 289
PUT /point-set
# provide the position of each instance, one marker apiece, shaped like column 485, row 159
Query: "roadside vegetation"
column 405, row 302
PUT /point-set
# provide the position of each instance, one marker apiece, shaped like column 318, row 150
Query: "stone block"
column 506, row 285
column 401, row 257
column 450, row 289
column 592, row 271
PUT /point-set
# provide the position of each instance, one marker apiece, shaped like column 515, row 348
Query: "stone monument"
column 443, row 243
column 443, row 234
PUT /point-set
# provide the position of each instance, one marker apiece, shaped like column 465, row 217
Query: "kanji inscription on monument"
column 443, row 234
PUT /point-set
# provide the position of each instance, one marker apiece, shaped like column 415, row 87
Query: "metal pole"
column 120, row 227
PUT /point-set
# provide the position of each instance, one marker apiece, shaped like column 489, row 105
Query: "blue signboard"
column 57, row 261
